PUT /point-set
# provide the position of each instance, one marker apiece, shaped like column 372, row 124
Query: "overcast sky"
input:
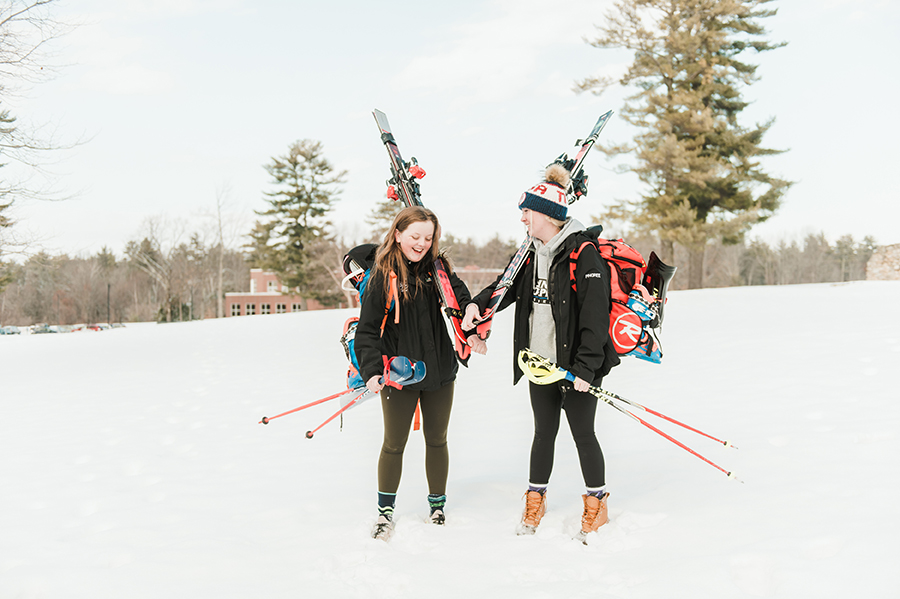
column 178, row 100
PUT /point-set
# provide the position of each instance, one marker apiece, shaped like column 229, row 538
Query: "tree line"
column 153, row 282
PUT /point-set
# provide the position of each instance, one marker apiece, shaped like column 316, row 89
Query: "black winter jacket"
column 583, row 346
column 421, row 334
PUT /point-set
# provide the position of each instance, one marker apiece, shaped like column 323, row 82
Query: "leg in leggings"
column 398, row 407
column 581, row 408
column 436, row 407
column 546, row 402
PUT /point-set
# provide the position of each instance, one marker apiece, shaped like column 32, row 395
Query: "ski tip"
column 265, row 420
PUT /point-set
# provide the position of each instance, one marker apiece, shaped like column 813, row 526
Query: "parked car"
column 10, row 330
column 38, row 329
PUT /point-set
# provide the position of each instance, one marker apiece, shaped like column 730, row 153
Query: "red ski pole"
column 664, row 417
column 350, row 404
column 600, row 394
column 686, row 448
column 266, row 419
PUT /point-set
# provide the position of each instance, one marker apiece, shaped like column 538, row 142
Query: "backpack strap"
column 393, row 296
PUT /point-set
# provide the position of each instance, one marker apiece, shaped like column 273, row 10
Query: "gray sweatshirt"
column 543, row 327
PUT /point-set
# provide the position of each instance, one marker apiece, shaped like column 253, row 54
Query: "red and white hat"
column 549, row 196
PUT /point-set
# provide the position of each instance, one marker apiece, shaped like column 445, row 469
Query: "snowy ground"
column 133, row 465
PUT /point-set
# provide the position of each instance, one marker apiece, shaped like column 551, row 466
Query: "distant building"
column 267, row 296
column 884, row 265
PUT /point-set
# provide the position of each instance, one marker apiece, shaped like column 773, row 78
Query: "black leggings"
column 546, row 403
column 398, row 407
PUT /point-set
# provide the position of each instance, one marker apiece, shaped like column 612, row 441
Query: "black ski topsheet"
column 404, row 175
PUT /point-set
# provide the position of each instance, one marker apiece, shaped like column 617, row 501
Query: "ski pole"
column 350, row 404
column 541, row 371
column 598, row 393
column 663, row 416
column 266, row 419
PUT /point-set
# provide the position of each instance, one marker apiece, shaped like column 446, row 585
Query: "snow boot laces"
column 595, row 513
column 535, row 506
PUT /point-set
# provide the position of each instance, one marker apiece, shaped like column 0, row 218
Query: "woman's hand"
column 581, row 385
column 477, row 344
column 373, row 385
column 468, row 321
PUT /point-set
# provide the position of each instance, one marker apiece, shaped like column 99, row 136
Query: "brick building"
column 267, row 296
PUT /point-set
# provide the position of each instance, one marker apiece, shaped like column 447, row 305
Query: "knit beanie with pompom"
column 549, row 196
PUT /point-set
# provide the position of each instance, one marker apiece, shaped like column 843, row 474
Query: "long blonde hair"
column 389, row 257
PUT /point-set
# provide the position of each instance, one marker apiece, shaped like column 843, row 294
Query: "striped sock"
column 436, row 501
column 386, row 504
column 597, row 492
column 537, row 488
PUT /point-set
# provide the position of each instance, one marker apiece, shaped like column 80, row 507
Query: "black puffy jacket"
column 421, row 334
column 583, row 346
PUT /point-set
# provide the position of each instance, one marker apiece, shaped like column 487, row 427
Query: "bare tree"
column 26, row 28
column 228, row 229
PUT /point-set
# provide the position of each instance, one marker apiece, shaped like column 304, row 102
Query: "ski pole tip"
column 265, row 420
column 727, row 443
column 733, row 477
column 309, row 434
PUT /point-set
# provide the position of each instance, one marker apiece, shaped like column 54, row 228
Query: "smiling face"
column 415, row 240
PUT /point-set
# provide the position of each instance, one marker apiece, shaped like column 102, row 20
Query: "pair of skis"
column 576, row 189
column 398, row 372
column 404, row 186
column 541, row 371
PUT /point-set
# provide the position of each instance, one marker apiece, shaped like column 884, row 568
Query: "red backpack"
column 638, row 293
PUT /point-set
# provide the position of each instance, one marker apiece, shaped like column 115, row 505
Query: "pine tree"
column 380, row 218
column 305, row 189
column 700, row 165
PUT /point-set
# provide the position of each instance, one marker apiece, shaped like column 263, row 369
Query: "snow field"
column 134, row 465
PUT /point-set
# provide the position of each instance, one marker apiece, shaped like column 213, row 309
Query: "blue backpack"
column 357, row 268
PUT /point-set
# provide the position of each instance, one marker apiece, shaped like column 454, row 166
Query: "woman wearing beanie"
column 401, row 315
column 562, row 298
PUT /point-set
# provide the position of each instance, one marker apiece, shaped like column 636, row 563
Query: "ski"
column 404, row 186
column 578, row 180
column 483, row 328
column 577, row 188
column 541, row 371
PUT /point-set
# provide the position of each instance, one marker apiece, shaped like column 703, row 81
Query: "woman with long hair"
column 401, row 315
